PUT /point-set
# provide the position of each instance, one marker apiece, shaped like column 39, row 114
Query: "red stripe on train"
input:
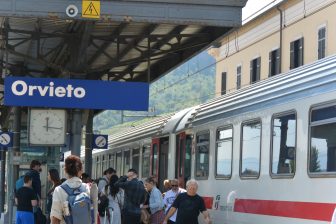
column 291, row 209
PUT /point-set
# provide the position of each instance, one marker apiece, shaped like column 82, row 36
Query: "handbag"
column 39, row 217
column 145, row 216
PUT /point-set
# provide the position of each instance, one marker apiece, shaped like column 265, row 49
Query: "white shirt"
column 169, row 199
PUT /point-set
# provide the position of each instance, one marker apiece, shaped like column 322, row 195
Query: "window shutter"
column 292, row 55
column 300, row 54
column 223, row 90
column 270, row 67
column 251, row 71
column 258, row 69
column 277, row 62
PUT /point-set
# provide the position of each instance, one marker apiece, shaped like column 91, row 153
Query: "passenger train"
column 263, row 154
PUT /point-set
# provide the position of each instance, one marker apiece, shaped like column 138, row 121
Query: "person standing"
column 73, row 169
column 105, row 180
column 116, row 200
column 53, row 177
column 134, row 196
column 155, row 201
column 25, row 199
column 189, row 205
column 170, row 197
column 34, row 172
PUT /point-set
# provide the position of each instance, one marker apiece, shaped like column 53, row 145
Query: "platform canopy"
column 132, row 40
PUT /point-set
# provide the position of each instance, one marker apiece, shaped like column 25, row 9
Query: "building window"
column 322, row 153
column 202, row 155
column 274, row 62
column 283, row 144
column 321, row 42
column 223, row 90
column 255, row 70
column 224, row 152
column 296, row 53
column 250, row 149
column 239, row 77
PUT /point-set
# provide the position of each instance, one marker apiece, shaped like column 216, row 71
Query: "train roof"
column 302, row 82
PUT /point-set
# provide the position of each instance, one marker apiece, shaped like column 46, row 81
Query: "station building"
column 276, row 39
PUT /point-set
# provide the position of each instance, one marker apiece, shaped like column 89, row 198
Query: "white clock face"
column 100, row 141
column 47, row 127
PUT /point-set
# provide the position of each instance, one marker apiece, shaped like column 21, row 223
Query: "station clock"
column 47, row 127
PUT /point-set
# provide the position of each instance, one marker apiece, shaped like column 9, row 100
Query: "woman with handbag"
column 155, row 202
column 53, row 177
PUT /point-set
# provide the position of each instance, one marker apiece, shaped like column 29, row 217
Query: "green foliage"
column 188, row 85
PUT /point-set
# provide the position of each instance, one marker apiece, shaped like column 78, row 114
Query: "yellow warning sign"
column 91, row 9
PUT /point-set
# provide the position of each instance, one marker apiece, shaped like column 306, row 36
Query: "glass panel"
column 224, row 152
column 111, row 159
column 135, row 160
column 323, row 114
column 155, row 160
column 250, row 155
column 145, row 161
column 284, row 140
column 202, row 155
column 127, row 161
column 119, row 163
column 187, row 159
column 181, row 156
column 323, row 148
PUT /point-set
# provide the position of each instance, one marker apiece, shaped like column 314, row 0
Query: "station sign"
column 74, row 93
column 100, row 141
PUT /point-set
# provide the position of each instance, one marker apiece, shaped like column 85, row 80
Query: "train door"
column 159, row 160
column 183, row 160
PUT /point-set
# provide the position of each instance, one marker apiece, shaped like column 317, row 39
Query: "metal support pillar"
column 2, row 179
column 13, row 171
column 76, row 132
column 88, row 143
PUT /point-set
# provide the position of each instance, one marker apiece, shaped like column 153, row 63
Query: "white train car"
column 263, row 154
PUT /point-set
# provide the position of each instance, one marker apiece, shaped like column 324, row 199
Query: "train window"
column 119, row 164
column 135, row 158
column 283, row 144
column 322, row 153
column 111, row 160
column 99, row 167
column 127, row 160
column 145, row 161
column 224, row 152
column 250, row 149
column 202, row 155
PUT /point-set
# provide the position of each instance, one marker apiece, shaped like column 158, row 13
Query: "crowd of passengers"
column 108, row 200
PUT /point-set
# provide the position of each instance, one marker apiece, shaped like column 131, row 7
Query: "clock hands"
column 50, row 127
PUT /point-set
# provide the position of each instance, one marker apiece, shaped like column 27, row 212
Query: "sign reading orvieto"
column 72, row 93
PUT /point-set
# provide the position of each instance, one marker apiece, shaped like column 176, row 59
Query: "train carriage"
column 263, row 154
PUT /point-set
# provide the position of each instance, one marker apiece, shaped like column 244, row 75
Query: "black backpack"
column 103, row 200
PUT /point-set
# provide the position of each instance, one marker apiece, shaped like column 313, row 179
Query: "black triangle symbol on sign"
column 91, row 10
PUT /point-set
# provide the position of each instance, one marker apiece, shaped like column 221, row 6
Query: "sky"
column 253, row 6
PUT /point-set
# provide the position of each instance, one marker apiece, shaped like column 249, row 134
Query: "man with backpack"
column 105, row 180
column 25, row 199
column 134, row 196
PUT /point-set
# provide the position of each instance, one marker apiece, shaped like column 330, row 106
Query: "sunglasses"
column 173, row 185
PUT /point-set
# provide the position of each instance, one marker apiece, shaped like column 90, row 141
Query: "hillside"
column 190, row 84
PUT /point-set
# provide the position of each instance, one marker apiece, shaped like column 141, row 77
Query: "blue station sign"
column 73, row 93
